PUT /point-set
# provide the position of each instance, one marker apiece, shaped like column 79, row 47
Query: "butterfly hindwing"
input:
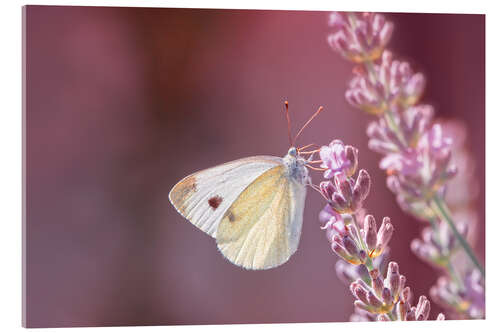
column 262, row 227
column 205, row 196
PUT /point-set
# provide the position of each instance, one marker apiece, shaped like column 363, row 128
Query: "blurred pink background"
column 124, row 102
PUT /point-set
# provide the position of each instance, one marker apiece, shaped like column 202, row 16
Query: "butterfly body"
column 253, row 207
column 296, row 167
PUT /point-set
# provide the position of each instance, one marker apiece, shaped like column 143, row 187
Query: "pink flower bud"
column 423, row 308
column 360, row 293
column 415, row 87
column 361, row 189
column 361, row 305
column 384, row 234
column 370, row 230
column 338, row 41
column 402, row 282
column 406, row 295
column 377, row 283
column 386, row 33
column 336, row 20
column 343, row 186
column 373, row 300
column 340, row 251
column 350, row 246
column 402, row 309
column 327, row 189
column 387, row 296
column 352, row 156
column 411, row 315
column 339, row 203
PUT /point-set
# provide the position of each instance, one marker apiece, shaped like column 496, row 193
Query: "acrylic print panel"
column 122, row 103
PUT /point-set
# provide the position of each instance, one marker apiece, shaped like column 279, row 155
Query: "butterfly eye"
column 292, row 151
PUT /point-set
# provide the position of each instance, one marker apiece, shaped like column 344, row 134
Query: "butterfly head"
column 293, row 152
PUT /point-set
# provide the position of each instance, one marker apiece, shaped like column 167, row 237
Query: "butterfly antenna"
column 310, row 152
column 289, row 126
column 307, row 146
column 307, row 123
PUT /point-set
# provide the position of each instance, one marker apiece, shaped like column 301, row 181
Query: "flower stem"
column 369, row 264
column 440, row 208
column 454, row 275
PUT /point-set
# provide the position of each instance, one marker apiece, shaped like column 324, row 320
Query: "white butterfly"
column 253, row 206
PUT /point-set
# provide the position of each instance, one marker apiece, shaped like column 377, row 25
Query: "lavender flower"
column 338, row 158
column 437, row 245
column 417, row 173
column 346, row 247
column 416, row 149
column 463, row 302
column 381, row 296
column 359, row 36
column 393, row 84
column 345, row 194
column 407, row 312
column 376, row 241
column 417, row 154
column 359, row 244
column 349, row 273
column 384, row 139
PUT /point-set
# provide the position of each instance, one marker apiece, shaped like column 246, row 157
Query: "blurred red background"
column 124, row 102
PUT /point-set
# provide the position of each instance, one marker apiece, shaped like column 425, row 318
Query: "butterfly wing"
column 262, row 227
column 205, row 196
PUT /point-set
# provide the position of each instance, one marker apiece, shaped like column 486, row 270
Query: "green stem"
column 454, row 275
column 369, row 264
column 370, row 68
column 440, row 208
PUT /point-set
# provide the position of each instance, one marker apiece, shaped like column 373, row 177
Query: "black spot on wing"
column 214, row 202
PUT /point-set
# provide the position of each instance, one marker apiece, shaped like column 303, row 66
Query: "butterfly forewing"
column 205, row 196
